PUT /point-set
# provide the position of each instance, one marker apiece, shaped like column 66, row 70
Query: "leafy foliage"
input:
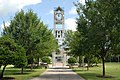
column 72, row 60
column 46, row 60
column 10, row 53
column 99, row 27
column 28, row 31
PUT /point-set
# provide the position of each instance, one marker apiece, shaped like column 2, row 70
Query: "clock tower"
column 59, row 25
column 59, row 58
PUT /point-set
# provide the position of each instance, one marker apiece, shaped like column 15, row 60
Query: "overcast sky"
column 43, row 8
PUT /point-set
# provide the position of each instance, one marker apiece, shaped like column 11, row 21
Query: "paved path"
column 59, row 74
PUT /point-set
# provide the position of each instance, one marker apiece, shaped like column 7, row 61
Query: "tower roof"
column 58, row 9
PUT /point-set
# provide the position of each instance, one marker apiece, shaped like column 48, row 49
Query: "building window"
column 58, row 36
column 61, row 31
column 55, row 57
column 58, row 32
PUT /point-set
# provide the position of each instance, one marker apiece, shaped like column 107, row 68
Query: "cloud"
column 73, row 11
column 2, row 26
column 82, row 2
column 51, row 12
column 6, row 24
column 71, row 24
column 8, row 6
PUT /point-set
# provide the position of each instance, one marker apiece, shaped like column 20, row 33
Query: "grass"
column 112, row 69
column 15, row 73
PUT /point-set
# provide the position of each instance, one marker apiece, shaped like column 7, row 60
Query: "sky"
column 43, row 8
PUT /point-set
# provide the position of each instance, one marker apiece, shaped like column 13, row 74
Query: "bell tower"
column 59, row 25
column 59, row 31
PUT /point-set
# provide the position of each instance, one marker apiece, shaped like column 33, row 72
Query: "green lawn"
column 15, row 72
column 112, row 69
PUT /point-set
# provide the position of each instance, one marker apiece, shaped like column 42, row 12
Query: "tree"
column 101, row 26
column 46, row 45
column 10, row 53
column 28, row 31
column 73, row 43
column 21, row 58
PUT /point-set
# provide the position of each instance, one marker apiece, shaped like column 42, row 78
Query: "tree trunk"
column 22, row 70
column 38, row 62
column 88, row 64
column 96, row 64
column 32, row 63
column 79, row 61
column 118, row 59
column 0, row 65
column 1, row 76
column 103, row 63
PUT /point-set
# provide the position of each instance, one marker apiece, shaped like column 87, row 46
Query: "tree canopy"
column 11, row 53
column 28, row 31
column 98, row 30
column 98, row 24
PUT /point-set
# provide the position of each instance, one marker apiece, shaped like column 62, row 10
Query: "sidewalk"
column 59, row 74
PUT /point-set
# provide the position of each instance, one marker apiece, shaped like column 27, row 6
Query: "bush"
column 46, row 60
column 95, row 60
column 72, row 60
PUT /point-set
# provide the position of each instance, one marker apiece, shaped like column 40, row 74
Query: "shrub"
column 46, row 60
column 95, row 60
column 72, row 60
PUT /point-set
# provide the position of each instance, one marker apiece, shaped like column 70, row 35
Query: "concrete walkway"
column 59, row 74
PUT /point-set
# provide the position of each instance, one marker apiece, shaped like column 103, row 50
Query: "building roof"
column 58, row 9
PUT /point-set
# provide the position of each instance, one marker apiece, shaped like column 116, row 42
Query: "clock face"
column 58, row 16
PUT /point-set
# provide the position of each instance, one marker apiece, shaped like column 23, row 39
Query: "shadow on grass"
column 94, row 76
column 8, row 78
column 100, row 76
column 17, row 72
column 79, row 70
column 36, row 75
